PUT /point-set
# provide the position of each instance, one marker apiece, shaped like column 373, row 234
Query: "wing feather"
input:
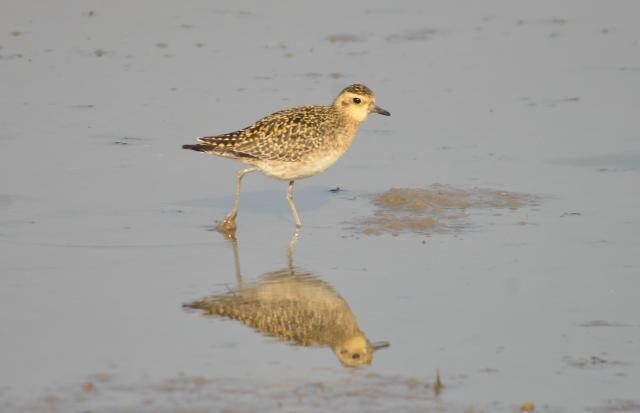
column 288, row 135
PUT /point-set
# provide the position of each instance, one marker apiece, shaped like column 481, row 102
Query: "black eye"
column 356, row 356
column 356, row 100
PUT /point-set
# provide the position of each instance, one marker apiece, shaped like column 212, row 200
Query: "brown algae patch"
column 378, row 225
column 439, row 208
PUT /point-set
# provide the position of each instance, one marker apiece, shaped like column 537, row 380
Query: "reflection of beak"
column 380, row 344
column 378, row 109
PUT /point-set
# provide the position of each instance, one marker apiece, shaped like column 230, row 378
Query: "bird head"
column 357, row 351
column 356, row 102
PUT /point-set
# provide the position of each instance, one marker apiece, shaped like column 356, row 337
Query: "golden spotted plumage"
column 294, row 143
column 294, row 306
column 287, row 135
column 298, row 308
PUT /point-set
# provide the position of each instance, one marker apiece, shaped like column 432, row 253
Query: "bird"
column 293, row 143
column 292, row 305
column 297, row 307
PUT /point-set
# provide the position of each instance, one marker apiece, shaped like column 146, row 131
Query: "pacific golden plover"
column 294, row 306
column 294, row 143
column 298, row 308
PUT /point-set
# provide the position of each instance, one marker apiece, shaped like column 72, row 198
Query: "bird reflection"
column 294, row 306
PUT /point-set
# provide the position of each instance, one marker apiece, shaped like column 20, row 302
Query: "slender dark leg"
column 228, row 224
column 294, row 211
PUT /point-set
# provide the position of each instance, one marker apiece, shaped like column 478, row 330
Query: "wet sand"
column 106, row 224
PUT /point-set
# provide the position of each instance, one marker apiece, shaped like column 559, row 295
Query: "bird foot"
column 228, row 225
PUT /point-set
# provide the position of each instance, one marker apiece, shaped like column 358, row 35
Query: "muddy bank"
column 439, row 208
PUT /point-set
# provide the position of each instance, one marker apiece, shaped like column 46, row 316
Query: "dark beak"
column 380, row 344
column 378, row 109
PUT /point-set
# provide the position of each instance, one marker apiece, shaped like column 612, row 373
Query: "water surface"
column 105, row 223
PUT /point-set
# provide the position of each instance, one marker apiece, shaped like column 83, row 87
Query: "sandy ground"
column 105, row 223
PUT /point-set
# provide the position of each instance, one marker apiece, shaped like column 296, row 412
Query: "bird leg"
column 236, row 261
column 294, row 211
column 292, row 245
column 228, row 224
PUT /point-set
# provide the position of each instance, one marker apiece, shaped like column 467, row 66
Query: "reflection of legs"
column 229, row 222
column 236, row 262
column 294, row 211
column 292, row 245
column 231, row 237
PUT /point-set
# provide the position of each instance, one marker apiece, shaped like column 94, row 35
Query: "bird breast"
column 313, row 163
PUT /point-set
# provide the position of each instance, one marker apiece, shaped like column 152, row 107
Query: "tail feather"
column 198, row 147
column 217, row 150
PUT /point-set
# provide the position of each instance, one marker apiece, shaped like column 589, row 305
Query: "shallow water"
column 105, row 223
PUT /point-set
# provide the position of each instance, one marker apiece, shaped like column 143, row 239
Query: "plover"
column 295, row 306
column 294, row 143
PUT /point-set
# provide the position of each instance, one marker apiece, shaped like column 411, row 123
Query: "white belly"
column 291, row 171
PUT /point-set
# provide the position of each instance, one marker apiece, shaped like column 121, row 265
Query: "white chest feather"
column 292, row 171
